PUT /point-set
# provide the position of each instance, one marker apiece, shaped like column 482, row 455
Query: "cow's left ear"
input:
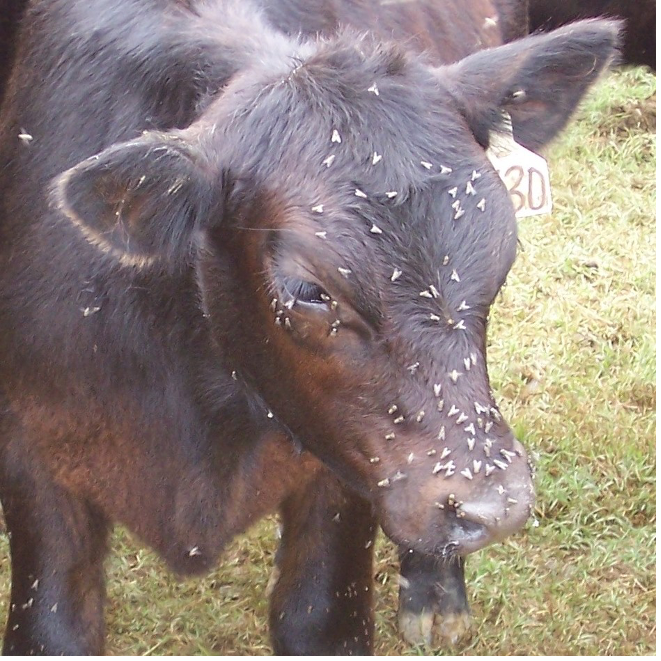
column 538, row 80
column 140, row 200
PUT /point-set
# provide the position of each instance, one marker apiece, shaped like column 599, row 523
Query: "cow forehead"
column 342, row 108
column 376, row 164
column 444, row 240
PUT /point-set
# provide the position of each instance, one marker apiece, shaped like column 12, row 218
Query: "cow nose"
column 497, row 509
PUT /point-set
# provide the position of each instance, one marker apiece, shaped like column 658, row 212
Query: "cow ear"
column 538, row 80
column 140, row 201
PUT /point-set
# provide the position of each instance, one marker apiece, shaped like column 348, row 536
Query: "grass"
column 572, row 356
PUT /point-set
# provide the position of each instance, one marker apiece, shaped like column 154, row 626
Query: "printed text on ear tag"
column 525, row 174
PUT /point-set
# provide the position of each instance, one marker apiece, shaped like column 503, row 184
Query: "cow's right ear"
column 139, row 201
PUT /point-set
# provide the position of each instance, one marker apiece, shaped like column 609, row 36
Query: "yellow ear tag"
column 524, row 173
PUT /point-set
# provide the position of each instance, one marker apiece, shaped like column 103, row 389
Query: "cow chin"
column 448, row 516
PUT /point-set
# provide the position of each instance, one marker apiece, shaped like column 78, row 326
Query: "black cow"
column 241, row 269
column 639, row 43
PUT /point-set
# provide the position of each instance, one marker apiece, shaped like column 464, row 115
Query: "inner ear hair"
column 138, row 201
column 538, row 80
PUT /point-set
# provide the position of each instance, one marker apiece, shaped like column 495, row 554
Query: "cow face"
column 349, row 237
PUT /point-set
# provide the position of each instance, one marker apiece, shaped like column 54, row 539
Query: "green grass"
column 572, row 356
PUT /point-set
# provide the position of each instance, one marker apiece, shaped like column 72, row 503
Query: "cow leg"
column 58, row 543
column 321, row 602
column 433, row 609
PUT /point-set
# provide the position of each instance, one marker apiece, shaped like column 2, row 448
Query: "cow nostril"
column 468, row 527
column 482, row 512
column 466, row 533
column 488, row 517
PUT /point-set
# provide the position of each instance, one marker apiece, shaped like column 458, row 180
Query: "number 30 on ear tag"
column 525, row 174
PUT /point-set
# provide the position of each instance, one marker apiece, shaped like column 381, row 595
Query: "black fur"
column 639, row 34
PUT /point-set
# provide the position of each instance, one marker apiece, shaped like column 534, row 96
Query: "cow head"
column 349, row 237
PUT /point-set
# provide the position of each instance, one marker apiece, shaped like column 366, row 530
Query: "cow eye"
column 300, row 291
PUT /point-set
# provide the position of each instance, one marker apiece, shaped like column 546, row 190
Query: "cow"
column 247, row 255
column 639, row 43
column 432, row 594
column 433, row 603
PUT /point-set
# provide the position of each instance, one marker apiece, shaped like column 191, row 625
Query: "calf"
column 639, row 44
column 241, row 269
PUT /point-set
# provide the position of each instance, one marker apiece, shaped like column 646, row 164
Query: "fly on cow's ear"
column 138, row 201
column 538, row 80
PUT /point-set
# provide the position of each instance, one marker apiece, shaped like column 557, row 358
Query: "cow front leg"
column 321, row 601
column 433, row 608
column 57, row 543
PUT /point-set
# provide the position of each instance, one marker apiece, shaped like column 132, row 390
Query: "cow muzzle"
column 461, row 511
